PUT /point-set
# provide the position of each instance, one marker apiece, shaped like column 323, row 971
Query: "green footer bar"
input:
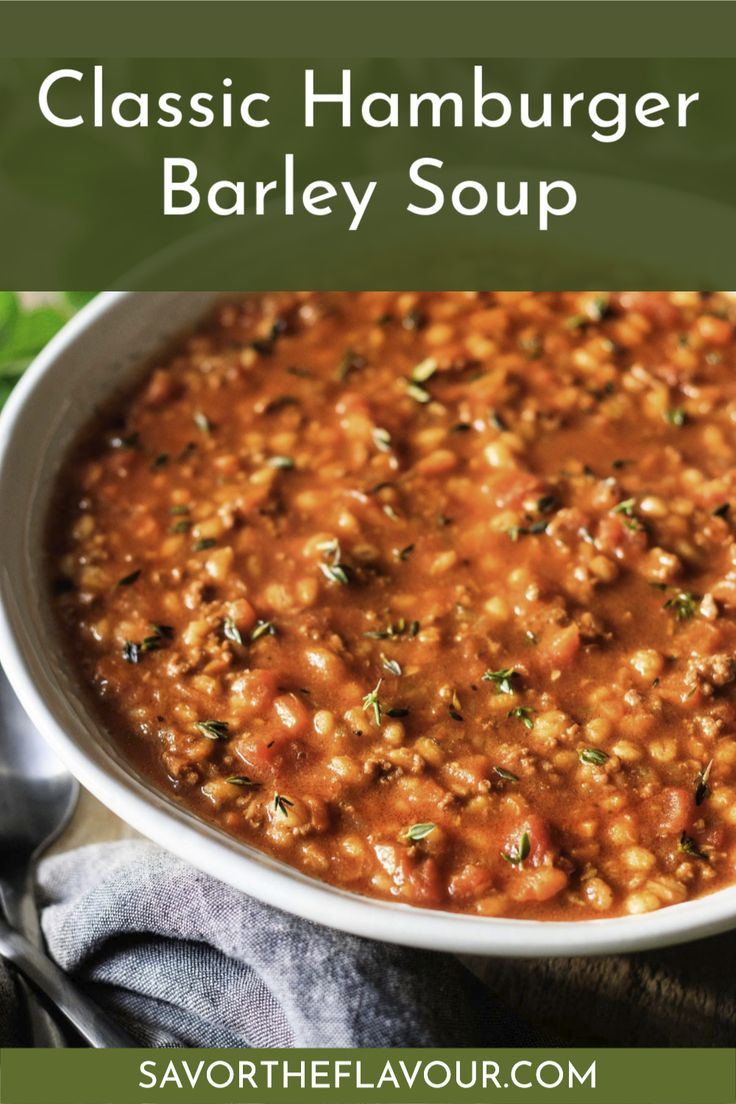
column 234, row 1076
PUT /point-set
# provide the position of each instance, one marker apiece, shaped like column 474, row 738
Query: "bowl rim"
column 159, row 818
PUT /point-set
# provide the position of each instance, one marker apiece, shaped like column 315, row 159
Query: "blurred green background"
column 28, row 320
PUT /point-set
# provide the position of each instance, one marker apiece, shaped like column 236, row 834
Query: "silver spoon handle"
column 16, row 894
column 92, row 1024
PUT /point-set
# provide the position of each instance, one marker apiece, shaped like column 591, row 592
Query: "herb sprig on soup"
column 430, row 595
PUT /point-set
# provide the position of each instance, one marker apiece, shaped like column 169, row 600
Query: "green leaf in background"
column 24, row 330
column 79, row 299
column 8, row 312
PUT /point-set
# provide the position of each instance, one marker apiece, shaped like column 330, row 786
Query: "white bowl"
column 98, row 349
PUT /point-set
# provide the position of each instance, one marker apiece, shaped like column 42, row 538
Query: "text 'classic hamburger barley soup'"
column 431, row 596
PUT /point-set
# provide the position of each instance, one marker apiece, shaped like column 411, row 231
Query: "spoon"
column 37, row 798
column 91, row 1023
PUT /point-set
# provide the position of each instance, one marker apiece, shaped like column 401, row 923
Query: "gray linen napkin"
column 182, row 959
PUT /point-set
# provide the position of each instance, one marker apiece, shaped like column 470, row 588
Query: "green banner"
column 572, row 1076
column 232, row 174
column 477, row 145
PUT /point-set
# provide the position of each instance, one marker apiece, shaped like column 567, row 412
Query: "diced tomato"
column 426, row 882
column 292, row 713
column 255, row 691
column 261, row 752
column 471, row 881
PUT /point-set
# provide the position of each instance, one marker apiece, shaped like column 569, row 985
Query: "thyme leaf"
column 424, row 371
column 231, row 631
column 684, row 605
column 128, row 580
column 523, row 714
column 213, row 730
column 595, row 756
column 262, row 628
column 391, row 665
column 520, row 852
column 336, row 573
column 507, row 775
column 371, row 702
column 688, row 846
column 502, row 679
column 419, row 831
column 702, row 789
column 282, row 804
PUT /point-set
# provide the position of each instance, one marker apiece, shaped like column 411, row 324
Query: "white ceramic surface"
column 98, row 349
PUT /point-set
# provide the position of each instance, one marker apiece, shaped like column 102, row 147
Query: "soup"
column 429, row 595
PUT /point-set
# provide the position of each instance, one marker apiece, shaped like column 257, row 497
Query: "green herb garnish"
column 371, row 702
column 128, row 580
column 524, row 714
column 702, row 789
column 688, row 846
column 213, row 730
column 283, row 462
column 594, row 756
column 262, row 628
column 507, row 775
column 424, row 371
column 382, row 439
column 417, row 392
column 242, row 780
column 152, row 642
column 391, row 665
column 547, row 504
column 676, row 416
column 231, row 631
column 419, row 831
column 401, row 627
column 684, row 605
column 336, row 573
column 131, row 651
column 351, row 362
column 282, row 804
column 203, row 544
column 516, row 531
column 502, row 679
column 520, row 852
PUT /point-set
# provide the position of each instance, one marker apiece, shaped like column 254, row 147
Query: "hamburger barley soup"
column 431, row 596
